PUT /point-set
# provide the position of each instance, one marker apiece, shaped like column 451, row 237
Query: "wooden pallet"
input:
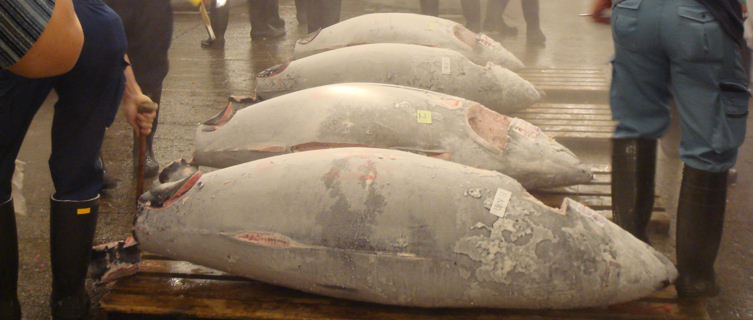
column 571, row 120
column 167, row 289
column 573, row 84
column 597, row 194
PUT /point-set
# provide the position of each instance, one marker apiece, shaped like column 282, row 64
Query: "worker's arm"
column 57, row 48
column 132, row 97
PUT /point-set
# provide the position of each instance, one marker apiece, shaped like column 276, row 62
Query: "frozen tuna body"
column 393, row 227
column 389, row 116
column 408, row 28
column 435, row 69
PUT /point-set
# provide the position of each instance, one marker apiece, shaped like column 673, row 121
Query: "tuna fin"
column 220, row 119
column 308, row 38
column 272, row 71
column 570, row 206
column 177, row 170
column 322, row 145
column 434, row 153
column 246, row 100
column 165, row 193
column 114, row 260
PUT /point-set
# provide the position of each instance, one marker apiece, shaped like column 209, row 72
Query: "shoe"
column 9, row 305
column 700, row 220
column 269, row 32
column 216, row 43
column 633, row 171
column 72, row 226
column 535, row 37
column 500, row 27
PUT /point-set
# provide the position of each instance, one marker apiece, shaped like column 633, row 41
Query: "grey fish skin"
column 386, row 116
column 398, row 228
column 436, row 69
column 409, row 28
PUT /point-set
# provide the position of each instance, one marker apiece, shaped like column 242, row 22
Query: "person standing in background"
column 149, row 29
column 692, row 47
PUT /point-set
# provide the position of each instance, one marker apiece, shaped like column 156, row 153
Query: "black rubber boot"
column 700, row 220
column 9, row 306
column 72, row 225
column 633, row 171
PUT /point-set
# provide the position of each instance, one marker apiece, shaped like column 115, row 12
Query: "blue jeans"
column 678, row 45
column 88, row 98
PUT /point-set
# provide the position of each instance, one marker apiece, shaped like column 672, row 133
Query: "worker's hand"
column 140, row 121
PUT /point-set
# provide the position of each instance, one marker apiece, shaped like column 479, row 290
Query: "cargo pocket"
column 730, row 132
column 702, row 36
column 625, row 23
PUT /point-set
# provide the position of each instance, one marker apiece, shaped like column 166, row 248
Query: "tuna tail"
column 166, row 193
column 220, row 119
column 177, row 170
column 114, row 260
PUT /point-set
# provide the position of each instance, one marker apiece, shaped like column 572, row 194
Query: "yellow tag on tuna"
column 84, row 211
column 424, row 116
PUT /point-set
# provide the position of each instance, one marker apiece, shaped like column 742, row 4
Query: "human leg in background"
column 265, row 19
column 472, row 14
column 219, row 13
column 323, row 13
column 534, row 35
column 430, row 7
column 495, row 21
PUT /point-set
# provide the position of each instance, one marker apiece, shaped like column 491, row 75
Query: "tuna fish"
column 393, row 227
column 408, row 28
column 388, row 116
column 435, row 69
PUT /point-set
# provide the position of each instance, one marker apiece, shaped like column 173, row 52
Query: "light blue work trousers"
column 677, row 44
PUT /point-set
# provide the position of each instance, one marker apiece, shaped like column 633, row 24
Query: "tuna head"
column 521, row 150
column 486, row 49
column 518, row 93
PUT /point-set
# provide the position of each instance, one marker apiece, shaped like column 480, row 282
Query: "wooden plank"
column 571, row 120
column 160, row 292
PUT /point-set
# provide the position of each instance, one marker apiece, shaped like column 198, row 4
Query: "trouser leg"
column 9, row 305
column 495, row 20
column 472, row 13
column 633, row 172
column 430, row 7
column 534, row 35
column 265, row 19
column 323, row 13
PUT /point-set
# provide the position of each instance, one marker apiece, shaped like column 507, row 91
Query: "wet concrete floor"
column 201, row 79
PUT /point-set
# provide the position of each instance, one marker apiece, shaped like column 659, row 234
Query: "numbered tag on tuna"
column 501, row 200
column 423, row 116
column 446, row 65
